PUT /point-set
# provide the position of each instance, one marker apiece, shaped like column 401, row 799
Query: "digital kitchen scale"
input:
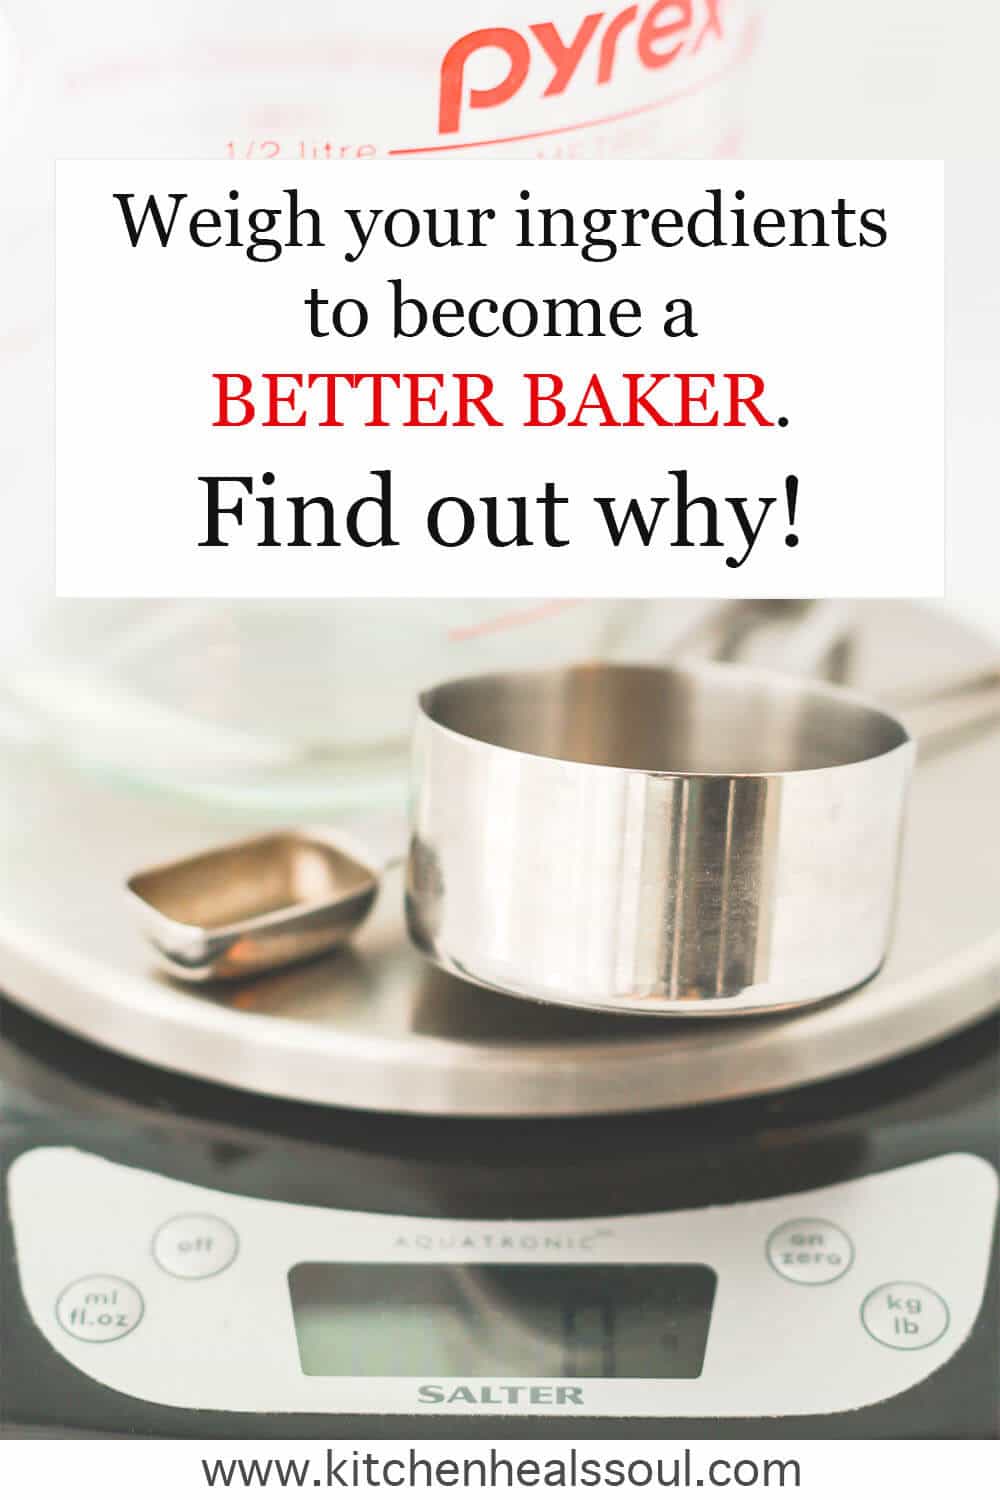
column 531, row 1222
column 184, row 1260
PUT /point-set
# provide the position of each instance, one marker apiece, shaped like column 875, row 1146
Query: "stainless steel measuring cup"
column 700, row 840
column 708, row 840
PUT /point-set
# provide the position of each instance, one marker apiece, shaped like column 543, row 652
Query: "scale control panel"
column 821, row 1301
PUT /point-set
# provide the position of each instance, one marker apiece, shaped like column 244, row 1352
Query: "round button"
column 99, row 1309
column 193, row 1246
column 810, row 1251
column 905, row 1315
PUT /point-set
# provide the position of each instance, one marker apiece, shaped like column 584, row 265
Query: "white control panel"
column 820, row 1301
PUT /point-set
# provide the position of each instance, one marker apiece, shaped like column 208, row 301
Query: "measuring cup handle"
column 807, row 637
column 957, row 706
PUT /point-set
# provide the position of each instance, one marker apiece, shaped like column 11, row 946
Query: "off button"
column 810, row 1251
column 193, row 1246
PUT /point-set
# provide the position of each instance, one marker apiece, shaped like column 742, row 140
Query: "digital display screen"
column 626, row 1322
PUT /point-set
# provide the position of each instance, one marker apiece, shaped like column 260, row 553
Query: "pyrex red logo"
column 546, row 62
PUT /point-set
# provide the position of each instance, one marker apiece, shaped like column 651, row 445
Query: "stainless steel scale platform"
column 377, row 1028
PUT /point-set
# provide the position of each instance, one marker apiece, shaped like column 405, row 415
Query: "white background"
column 913, row 78
column 849, row 342
column 827, row 1468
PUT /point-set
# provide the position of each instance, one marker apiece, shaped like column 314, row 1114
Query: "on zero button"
column 809, row 1251
column 193, row 1246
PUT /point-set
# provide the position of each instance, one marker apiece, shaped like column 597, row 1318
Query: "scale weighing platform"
column 360, row 1198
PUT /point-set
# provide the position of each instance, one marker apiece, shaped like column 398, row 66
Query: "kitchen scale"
column 361, row 1198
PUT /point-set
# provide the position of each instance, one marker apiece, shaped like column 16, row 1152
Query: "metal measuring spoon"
column 256, row 905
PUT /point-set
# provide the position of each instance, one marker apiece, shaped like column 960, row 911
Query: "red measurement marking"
column 513, row 619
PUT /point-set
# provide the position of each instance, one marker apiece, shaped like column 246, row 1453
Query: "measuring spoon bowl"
column 257, row 905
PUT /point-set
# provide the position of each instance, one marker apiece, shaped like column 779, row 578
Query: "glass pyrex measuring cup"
column 289, row 703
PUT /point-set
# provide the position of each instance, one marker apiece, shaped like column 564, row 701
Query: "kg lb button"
column 904, row 1315
column 99, row 1309
column 810, row 1251
column 193, row 1246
